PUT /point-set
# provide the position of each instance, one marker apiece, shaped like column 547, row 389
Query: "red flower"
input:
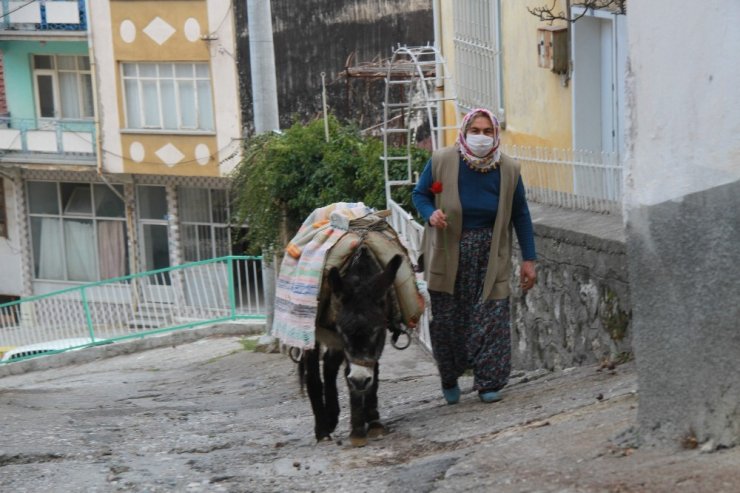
column 436, row 187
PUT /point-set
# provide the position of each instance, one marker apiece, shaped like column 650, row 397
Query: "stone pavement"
column 211, row 415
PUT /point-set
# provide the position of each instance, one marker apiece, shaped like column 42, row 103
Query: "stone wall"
column 319, row 37
column 579, row 312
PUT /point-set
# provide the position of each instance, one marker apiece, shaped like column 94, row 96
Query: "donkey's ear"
column 386, row 278
column 335, row 281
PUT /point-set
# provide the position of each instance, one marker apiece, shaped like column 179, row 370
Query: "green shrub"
column 283, row 178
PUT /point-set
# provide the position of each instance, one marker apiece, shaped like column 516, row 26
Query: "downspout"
column 266, row 117
column 565, row 78
column 96, row 119
column 439, row 88
column 94, row 83
column 129, row 206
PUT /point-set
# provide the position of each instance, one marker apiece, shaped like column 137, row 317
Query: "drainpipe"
column 438, row 83
column 262, row 66
column 129, row 206
column 94, row 81
column 266, row 117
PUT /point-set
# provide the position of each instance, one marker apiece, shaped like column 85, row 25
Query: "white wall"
column 10, row 250
column 683, row 227
column 225, row 83
column 685, row 98
column 108, row 113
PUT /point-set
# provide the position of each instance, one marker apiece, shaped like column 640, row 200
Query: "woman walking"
column 470, row 195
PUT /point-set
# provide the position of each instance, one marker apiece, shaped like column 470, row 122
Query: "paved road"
column 211, row 416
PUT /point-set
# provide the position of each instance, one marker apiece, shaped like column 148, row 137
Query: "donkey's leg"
column 375, row 428
column 316, row 393
column 332, row 362
column 358, row 433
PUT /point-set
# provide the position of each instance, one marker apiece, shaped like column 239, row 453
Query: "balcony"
column 59, row 142
column 21, row 19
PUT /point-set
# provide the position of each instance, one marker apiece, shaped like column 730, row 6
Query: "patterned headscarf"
column 488, row 161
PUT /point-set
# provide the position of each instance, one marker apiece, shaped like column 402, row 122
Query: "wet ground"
column 211, row 415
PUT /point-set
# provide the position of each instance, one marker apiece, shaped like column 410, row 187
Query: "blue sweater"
column 480, row 203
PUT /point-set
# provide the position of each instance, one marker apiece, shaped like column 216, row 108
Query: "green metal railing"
column 147, row 303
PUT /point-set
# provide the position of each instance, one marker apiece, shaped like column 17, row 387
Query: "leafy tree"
column 282, row 178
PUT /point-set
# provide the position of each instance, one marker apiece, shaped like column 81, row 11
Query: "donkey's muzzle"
column 361, row 374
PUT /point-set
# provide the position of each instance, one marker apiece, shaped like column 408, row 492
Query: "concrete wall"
column 10, row 247
column 579, row 312
column 318, row 37
column 682, row 216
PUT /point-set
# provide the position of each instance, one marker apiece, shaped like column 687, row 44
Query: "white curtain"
column 169, row 103
column 69, row 95
column 205, row 106
column 112, row 248
column 133, row 102
column 50, row 261
column 151, row 104
column 80, row 249
column 187, row 104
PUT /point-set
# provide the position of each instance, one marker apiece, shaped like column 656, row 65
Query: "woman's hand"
column 438, row 219
column 528, row 275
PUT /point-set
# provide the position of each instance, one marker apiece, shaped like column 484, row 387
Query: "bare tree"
column 549, row 14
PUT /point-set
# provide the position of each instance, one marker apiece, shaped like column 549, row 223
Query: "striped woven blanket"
column 301, row 271
column 328, row 238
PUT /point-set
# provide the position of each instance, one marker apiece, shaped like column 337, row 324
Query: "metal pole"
column 262, row 56
column 323, row 100
column 265, row 104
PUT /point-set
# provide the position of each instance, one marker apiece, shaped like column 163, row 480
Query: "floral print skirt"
column 467, row 332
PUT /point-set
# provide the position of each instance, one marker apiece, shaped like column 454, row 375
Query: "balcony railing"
column 51, row 15
column 47, row 141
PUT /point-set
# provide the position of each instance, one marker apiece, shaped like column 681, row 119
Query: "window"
column 154, row 230
column 168, row 96
column 63, row 86
column 204, row 217
column 3, row 213
column 78, row 231
column 477, row 41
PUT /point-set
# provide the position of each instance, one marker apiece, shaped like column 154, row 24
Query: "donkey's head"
column 361, row 314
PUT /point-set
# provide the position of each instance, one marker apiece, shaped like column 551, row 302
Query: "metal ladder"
column 417, row 86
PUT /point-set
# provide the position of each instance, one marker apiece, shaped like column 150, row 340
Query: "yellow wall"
column 176, row 48
column 538, row 107
column 447, row 47
column 189, row 165
column 175, row 13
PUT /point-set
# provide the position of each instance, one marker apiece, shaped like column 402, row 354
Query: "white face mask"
column 479, row 144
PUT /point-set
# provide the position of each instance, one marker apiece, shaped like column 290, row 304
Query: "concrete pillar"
column 262, row 56
column 682, row 208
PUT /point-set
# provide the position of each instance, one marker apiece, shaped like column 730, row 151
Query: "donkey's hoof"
column 323, row 438
column 358, row 441
column 376, row 430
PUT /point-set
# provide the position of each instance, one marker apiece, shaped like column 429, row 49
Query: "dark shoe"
column 452, row 396
column 489, row 396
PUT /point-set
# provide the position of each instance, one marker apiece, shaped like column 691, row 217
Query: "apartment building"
column 119, row 125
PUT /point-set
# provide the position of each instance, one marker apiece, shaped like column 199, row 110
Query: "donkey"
column 352, row 327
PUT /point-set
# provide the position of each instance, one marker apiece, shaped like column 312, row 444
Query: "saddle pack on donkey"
column 328, row 238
